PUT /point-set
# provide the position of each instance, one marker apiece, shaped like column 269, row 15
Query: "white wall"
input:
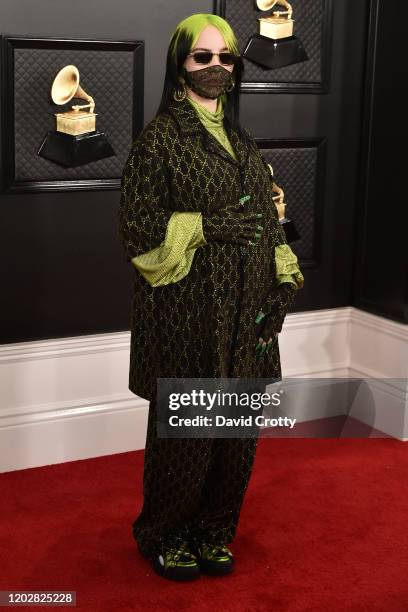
column 68, row 399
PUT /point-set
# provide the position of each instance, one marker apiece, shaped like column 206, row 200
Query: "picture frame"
column 312, row 25
column 111, row 71
column 299, row 168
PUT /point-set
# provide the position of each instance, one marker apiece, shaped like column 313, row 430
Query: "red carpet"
column 324, row 526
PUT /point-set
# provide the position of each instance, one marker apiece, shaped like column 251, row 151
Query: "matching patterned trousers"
column 193, row 488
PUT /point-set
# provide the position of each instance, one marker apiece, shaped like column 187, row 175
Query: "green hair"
column 193, row 25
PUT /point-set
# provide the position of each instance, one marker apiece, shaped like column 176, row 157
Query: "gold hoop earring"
column 231, row 87
column 180, row 95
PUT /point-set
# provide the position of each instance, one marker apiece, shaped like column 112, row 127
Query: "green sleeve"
column 171, row 260
column 287, row 269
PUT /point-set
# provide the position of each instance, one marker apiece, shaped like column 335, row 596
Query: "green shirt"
column 214, row 123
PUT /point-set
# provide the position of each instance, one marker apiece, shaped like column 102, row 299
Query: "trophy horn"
column 266, row 5
column 66, row 86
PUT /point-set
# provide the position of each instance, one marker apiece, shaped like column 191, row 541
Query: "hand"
column 231, row 224
column 275, row 310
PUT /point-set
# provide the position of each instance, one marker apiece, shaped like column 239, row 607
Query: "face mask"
column 208, row 82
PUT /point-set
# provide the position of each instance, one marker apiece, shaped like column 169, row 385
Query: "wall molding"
column 66, row 399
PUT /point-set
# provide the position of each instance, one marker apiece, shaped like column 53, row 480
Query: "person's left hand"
column 276, row 307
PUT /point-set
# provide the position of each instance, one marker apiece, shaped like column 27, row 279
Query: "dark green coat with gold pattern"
column 203, row 325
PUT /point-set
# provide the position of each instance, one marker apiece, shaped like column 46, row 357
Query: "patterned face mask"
column 208, row 82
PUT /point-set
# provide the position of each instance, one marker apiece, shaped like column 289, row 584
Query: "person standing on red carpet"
column 199, row 224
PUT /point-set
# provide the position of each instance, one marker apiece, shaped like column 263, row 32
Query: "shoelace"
column 213, row 550
column 175, row 549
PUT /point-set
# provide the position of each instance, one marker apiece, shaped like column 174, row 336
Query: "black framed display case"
column 312, row 25
column 111, row 71
column 299, row 168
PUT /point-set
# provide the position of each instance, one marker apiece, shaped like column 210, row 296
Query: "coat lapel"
column 189, row 123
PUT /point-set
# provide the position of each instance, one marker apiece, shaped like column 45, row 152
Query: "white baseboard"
column 379, row 353
column 68, row 399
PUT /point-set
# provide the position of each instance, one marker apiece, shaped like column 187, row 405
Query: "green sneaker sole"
column 216, row 568
column 178, row 572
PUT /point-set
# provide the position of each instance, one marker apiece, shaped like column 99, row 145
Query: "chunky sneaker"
column 214, row 559
column 176, row 561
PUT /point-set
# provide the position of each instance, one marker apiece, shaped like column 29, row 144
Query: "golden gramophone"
column 287, row 224
column 275, row 45
column 75, row 141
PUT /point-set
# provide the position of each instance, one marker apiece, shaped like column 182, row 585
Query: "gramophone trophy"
column 287, row 224
column 75, row 141
column 275, row 45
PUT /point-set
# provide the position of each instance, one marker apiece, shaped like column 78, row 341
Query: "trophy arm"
column 288, row 6
column 91, row 104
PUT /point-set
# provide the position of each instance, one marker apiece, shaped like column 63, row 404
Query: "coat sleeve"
column 144, row 201
column 280, row 236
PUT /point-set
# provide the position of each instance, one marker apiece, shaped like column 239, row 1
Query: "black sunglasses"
column 205, row 57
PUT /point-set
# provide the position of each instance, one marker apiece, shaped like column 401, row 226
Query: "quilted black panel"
column 295, row 170
column 106, row 75
column 308, row 16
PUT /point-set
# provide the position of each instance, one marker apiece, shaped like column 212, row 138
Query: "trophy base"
column 274, row 52
column 290, row 230
column 71, row 151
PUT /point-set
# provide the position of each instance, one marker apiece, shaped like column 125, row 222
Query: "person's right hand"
column 231, row 224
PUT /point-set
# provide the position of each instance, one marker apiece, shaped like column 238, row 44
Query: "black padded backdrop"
column 105, row 75
column 295, row 170
column 308, row 16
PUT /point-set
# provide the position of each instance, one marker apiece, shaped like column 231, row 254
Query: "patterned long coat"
column 203, row 325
